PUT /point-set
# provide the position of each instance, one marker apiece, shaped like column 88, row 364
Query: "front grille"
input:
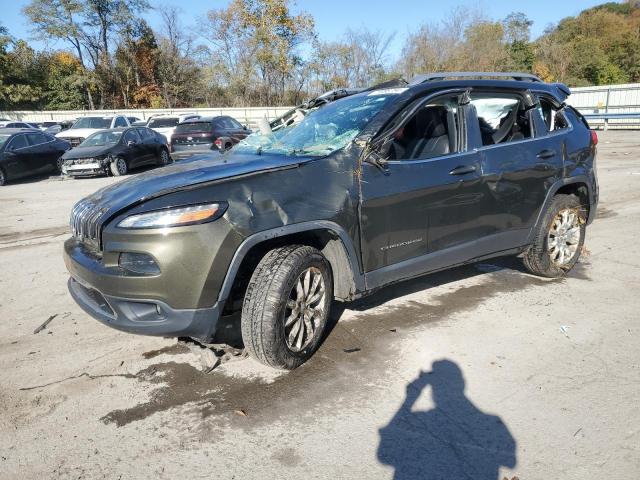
column 85, row 222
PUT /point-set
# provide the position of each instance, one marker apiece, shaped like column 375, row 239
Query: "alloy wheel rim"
column 60, row 162
column 122, row 166
column 1, row 177
column 164, row 156
column 564, row 237
column 304, row 309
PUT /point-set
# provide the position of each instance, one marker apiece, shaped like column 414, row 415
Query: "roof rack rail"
column 428, row 77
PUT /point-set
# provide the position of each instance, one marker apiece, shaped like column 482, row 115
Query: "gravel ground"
column 480, row 372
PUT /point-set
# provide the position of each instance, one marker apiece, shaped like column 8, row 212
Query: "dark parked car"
column 22, row 125
column 371, row 189
column 206, row 134
column 116, row 151
column 29, row 152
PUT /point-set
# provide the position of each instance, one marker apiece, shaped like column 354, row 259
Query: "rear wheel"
column 559, row 239
column 119, row 167
column 286, row 306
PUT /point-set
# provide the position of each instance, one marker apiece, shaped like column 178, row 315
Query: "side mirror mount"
column 378, row 154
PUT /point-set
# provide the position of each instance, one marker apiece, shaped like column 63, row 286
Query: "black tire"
column 119, row 167
column 538, row 257
column 163, row 157
column 3, row 178
column 266, row 302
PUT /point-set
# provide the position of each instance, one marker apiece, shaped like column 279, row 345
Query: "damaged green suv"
column 373, row 188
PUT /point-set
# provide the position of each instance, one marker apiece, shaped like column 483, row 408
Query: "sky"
column 333, row 17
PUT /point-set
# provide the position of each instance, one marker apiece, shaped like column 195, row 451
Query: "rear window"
column 193, row 127
column 162, row 122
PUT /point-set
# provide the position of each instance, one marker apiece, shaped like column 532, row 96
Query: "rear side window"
column 502, row 118
column 146, row 134
column 193, row 127
column 36, row 138
column 553, row 116
column 131, row 135
column 19, row 141
column 233, row 123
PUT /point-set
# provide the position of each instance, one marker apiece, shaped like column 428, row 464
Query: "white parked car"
column 85, row 126
column 166, row 124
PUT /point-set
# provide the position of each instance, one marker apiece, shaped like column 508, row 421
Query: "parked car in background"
column 116, row 151
column 206, row 134
column 85, row 126
column 58, row 127
column 29, row 152
column 21, row 125
column 166, row 124
column 139, row 123
column 133, row 120
column 372, row 189
column 44, row 126
column 4, row 121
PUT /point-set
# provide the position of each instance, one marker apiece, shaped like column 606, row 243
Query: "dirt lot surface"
column 526, row 377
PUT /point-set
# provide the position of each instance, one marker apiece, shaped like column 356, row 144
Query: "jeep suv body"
column 377, row 187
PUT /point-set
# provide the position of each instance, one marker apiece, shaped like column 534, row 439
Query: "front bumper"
column 145, row 317
column 84, row 169
column 181, row 300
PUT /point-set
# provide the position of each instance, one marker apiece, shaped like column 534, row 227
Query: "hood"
column 78, row 132
column 87, row 152
column 197, row 170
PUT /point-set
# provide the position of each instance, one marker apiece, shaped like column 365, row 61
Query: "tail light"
column 594, row 137
column 218, row 143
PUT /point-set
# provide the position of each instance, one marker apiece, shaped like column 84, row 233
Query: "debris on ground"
column 565, row 330
column 212, row 356
column 44, row 324
column 240, row 412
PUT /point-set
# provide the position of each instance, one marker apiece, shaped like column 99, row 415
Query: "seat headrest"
column 434, row 120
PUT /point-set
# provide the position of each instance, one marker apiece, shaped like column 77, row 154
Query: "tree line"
column 261, row 53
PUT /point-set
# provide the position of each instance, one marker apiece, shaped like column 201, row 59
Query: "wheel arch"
column 579, row 186
column 328, row 237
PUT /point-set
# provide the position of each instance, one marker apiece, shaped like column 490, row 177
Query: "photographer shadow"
column 452, row 440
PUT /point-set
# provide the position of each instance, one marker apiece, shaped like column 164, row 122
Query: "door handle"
column 463, row 170
column 546, row 154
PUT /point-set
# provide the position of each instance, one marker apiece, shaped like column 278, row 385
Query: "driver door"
column 425, row 200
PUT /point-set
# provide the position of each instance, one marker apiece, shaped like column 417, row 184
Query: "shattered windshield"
column 323, row 131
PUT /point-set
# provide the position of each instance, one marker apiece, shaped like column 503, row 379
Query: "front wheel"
column 59, row 164
column 559, row 239
column 119, row 167
column 286, row 306
column 3, row 178
column 164, row 158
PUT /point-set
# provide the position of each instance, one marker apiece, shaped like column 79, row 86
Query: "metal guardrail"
column 612, row 116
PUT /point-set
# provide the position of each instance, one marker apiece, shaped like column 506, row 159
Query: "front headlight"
column 174, row 217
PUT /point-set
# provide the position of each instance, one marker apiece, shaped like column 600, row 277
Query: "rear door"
column 43, row 151
column 236, row 130
column 149, row 144
column 136, row 151
column 519, row 162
